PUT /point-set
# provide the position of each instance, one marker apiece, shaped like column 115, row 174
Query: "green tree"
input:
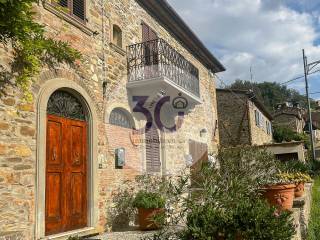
column 272, row 93
column 31, row 48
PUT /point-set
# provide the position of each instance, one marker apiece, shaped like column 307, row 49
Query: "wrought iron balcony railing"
column 156, row 58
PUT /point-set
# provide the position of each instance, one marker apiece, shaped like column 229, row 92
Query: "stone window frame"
column 82, row 25
column 121, row 50
column 117, row 36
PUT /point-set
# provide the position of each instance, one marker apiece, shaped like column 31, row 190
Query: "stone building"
column 63, row 154
column 243, row 120
column 291, row 116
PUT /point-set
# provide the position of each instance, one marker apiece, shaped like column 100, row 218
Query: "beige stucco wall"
column 19, row 121
column 259, row 135
column 286, row 148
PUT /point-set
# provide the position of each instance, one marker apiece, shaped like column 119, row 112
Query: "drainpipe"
column 103, row 39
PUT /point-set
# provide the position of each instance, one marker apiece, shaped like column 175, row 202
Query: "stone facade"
column 237, row 119
column 101, row 81
column 291, row 117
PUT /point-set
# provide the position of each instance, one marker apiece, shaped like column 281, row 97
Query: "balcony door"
column 151, row 51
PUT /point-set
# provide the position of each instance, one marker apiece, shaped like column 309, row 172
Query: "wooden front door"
column 66, row 175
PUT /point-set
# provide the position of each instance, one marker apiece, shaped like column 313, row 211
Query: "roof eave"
column 170, row 19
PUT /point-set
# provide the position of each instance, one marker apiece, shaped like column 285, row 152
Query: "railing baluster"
column 156, row 58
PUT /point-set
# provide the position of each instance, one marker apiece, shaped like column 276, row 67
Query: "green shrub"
column 74, row 238
column 284, row 134
column 298, row 166
column 226, row 203
column 314, row 224
column 148, row 200
column 253, row 219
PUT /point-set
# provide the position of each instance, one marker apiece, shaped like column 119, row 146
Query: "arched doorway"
column 66, row 198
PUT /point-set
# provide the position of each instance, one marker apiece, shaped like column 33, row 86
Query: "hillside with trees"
column 272, row 93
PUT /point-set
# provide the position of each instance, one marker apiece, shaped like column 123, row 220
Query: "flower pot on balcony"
column 146, row 218
column 280, row 195
column 299, row 190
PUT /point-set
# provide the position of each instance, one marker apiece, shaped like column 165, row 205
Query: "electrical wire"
column 297, row 78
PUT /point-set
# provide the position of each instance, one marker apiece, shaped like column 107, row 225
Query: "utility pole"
column 307, row 68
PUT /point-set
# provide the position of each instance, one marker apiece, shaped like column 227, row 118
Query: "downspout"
column 103, row 39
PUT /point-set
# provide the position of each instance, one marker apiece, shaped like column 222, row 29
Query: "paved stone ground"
column 131, row 235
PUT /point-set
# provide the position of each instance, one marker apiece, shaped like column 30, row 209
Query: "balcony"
column 155, row 66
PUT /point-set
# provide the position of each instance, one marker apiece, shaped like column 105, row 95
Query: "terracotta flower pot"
column 146, row 216
column 280, row 195
column 299, row 190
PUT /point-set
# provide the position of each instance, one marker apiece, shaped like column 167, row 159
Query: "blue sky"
column 266, row 35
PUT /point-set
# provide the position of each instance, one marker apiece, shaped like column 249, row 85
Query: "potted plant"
column 299, row 179
column 278, row 190
column 150, row 207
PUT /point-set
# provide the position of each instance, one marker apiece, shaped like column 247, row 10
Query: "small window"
column 256, row 114
column 75, row 8
column 121, row 118
column 117, row 36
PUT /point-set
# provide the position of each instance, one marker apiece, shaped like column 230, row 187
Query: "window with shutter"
column 151, row 49
column 76, row 8
column 153, row 163
column 256, row 114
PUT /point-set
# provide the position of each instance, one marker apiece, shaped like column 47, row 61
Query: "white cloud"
column 264, row 34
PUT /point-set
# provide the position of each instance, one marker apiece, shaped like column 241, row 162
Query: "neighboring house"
column 315, row 126
column 291, row 116
column 243, row 120
column 63, row 154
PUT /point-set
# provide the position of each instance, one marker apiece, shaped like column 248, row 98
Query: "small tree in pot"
column 150, row 207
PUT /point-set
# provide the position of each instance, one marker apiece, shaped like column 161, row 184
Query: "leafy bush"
column 298, row 166
column 285, row 134
column 32, row 49
column 314, row 224
column 148, row 200
column 74, row 238
column 121, row 211
column 253, row 219
column 227, row 203
column 296, row 177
